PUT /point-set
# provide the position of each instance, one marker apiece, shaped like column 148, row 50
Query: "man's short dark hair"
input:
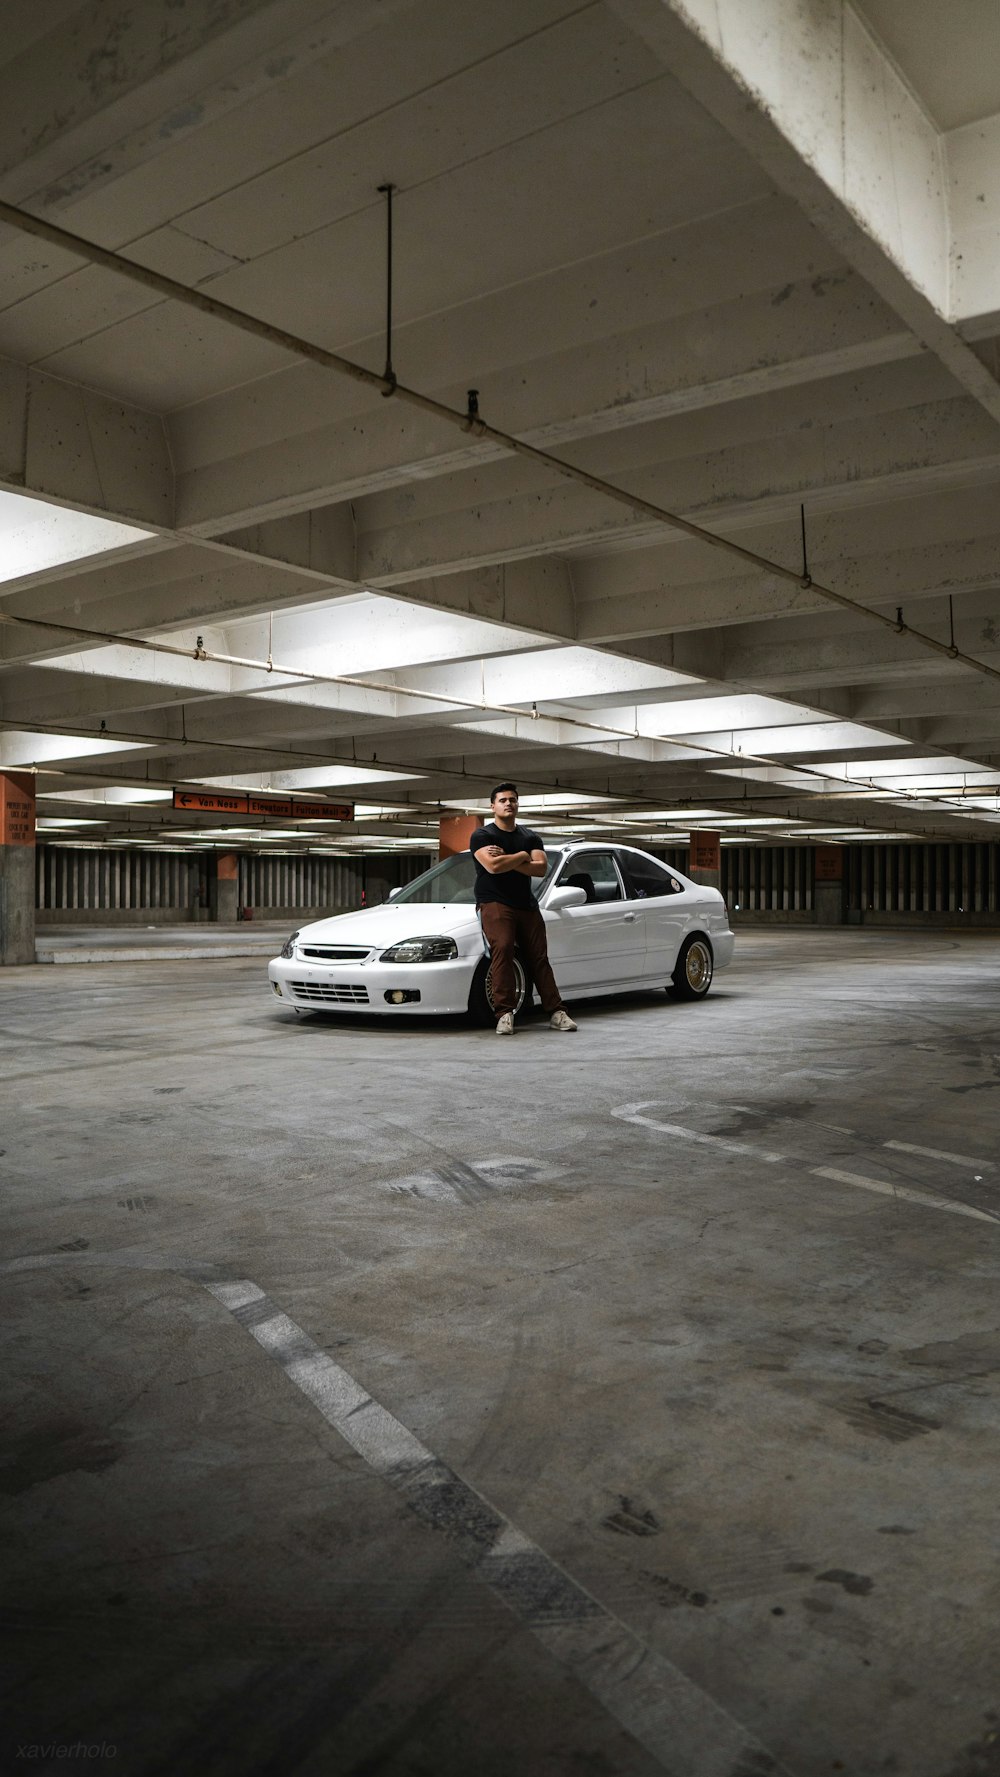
column 495, row 793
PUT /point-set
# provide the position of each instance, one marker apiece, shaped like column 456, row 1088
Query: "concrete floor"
column 705, row 1480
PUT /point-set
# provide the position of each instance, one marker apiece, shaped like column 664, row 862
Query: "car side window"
column 596, row 873
column 645, row 877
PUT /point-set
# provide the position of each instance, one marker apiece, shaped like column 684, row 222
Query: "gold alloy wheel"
column 698, row 966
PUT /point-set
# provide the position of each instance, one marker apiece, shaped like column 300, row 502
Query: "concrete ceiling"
column 949, row 54
column 638, row 229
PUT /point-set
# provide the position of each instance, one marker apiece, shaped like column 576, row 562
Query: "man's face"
column 505, row 807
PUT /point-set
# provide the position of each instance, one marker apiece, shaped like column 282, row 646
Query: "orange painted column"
column 828, row 885
column 455, row 831
column 705, row 865
column 225, row 901
column 17, row 867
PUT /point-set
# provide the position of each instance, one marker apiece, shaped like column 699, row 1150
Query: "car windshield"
column 453, row 881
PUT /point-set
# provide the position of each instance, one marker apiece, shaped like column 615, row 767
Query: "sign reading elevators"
column 277, row 807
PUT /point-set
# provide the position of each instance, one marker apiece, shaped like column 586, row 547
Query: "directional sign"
column 276, row 807
column 204, row 802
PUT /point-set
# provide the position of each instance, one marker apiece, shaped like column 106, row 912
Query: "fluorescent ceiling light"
column 908, row 766
column 710, row 715
column 21, row 747
column 819, row 738
column 114, row 794
column 313, row 778
column 51, row 824
column 35, row 535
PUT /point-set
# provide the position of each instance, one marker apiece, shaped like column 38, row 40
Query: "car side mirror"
column 566, row 897
column 391, row 896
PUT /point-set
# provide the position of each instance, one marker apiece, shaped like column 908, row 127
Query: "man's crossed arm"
column 497, row 862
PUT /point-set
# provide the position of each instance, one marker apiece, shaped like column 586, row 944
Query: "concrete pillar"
column 225, row 889
column 705, row 865
column 455, row 831
column 828, row 885
column 17, row 867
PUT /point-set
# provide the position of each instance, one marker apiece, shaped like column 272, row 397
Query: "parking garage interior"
column 398, row 398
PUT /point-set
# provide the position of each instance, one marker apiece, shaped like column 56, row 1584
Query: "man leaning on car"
column 507, row 857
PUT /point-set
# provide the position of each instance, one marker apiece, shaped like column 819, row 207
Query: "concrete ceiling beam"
column 947, row 444
column 80, row 448
column 810, row 93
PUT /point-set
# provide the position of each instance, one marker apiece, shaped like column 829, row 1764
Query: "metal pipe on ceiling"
column 468, row 422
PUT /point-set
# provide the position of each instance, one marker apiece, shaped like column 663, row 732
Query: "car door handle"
column 628, row 917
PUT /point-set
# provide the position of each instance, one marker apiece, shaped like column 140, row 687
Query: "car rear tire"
column 692, row 976
column 481, row 1009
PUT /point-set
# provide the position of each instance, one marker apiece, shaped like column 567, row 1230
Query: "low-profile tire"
column 481, row 1009
column 692, row 977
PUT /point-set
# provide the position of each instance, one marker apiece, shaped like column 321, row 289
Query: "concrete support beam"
column 805, row 88
column 72, row 445
column 223, row 887
column 705, row 859
column 828, row 885
column 17, row 867
column 973, row 155
column 721, row 474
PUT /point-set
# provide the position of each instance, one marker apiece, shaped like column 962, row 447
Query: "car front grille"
column 336, row 953
column 329, row 993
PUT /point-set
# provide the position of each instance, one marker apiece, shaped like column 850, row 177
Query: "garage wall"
column 77, row 886
column 883, row 882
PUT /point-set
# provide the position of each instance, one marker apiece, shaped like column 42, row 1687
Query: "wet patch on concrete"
column 60, row 1447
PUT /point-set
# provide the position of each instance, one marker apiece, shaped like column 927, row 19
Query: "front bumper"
column 363, row 986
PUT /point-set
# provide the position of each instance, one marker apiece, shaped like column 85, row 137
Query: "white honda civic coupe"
column 616, row 919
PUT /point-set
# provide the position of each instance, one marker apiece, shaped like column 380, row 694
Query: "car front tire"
column 481, row 1008
column 692, row 976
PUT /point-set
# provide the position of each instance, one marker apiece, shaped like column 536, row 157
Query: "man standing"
column 507, row 857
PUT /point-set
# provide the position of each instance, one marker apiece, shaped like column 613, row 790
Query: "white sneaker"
column 561, row 1021
column 505, row 1024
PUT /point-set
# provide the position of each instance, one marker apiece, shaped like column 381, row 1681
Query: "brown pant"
column 507, row 928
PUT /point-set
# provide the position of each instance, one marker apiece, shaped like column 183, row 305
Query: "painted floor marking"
column 631, row 1113
column 887, row 1188
column 683, row 1728
column 626, row 1111
column 910, row 1147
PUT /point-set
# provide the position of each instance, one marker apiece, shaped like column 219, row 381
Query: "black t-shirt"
column 513, row 889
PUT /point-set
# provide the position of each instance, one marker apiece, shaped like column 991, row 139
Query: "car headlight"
column 421, row 950
column 288, row 948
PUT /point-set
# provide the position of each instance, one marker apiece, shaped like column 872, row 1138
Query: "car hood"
column 388, row 924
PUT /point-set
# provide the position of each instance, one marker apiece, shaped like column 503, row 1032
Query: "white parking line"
column 910, row 1147
column 886, row 1188
column 676, row 1721
column 628, row 1114
column 632, row 1113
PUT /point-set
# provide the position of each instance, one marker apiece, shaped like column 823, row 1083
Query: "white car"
column 615, row 919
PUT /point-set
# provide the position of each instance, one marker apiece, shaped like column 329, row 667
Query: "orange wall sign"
column 282, row 807
column 455, row 831
column 706, row 852
column 17, row 808
column 829, row 863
